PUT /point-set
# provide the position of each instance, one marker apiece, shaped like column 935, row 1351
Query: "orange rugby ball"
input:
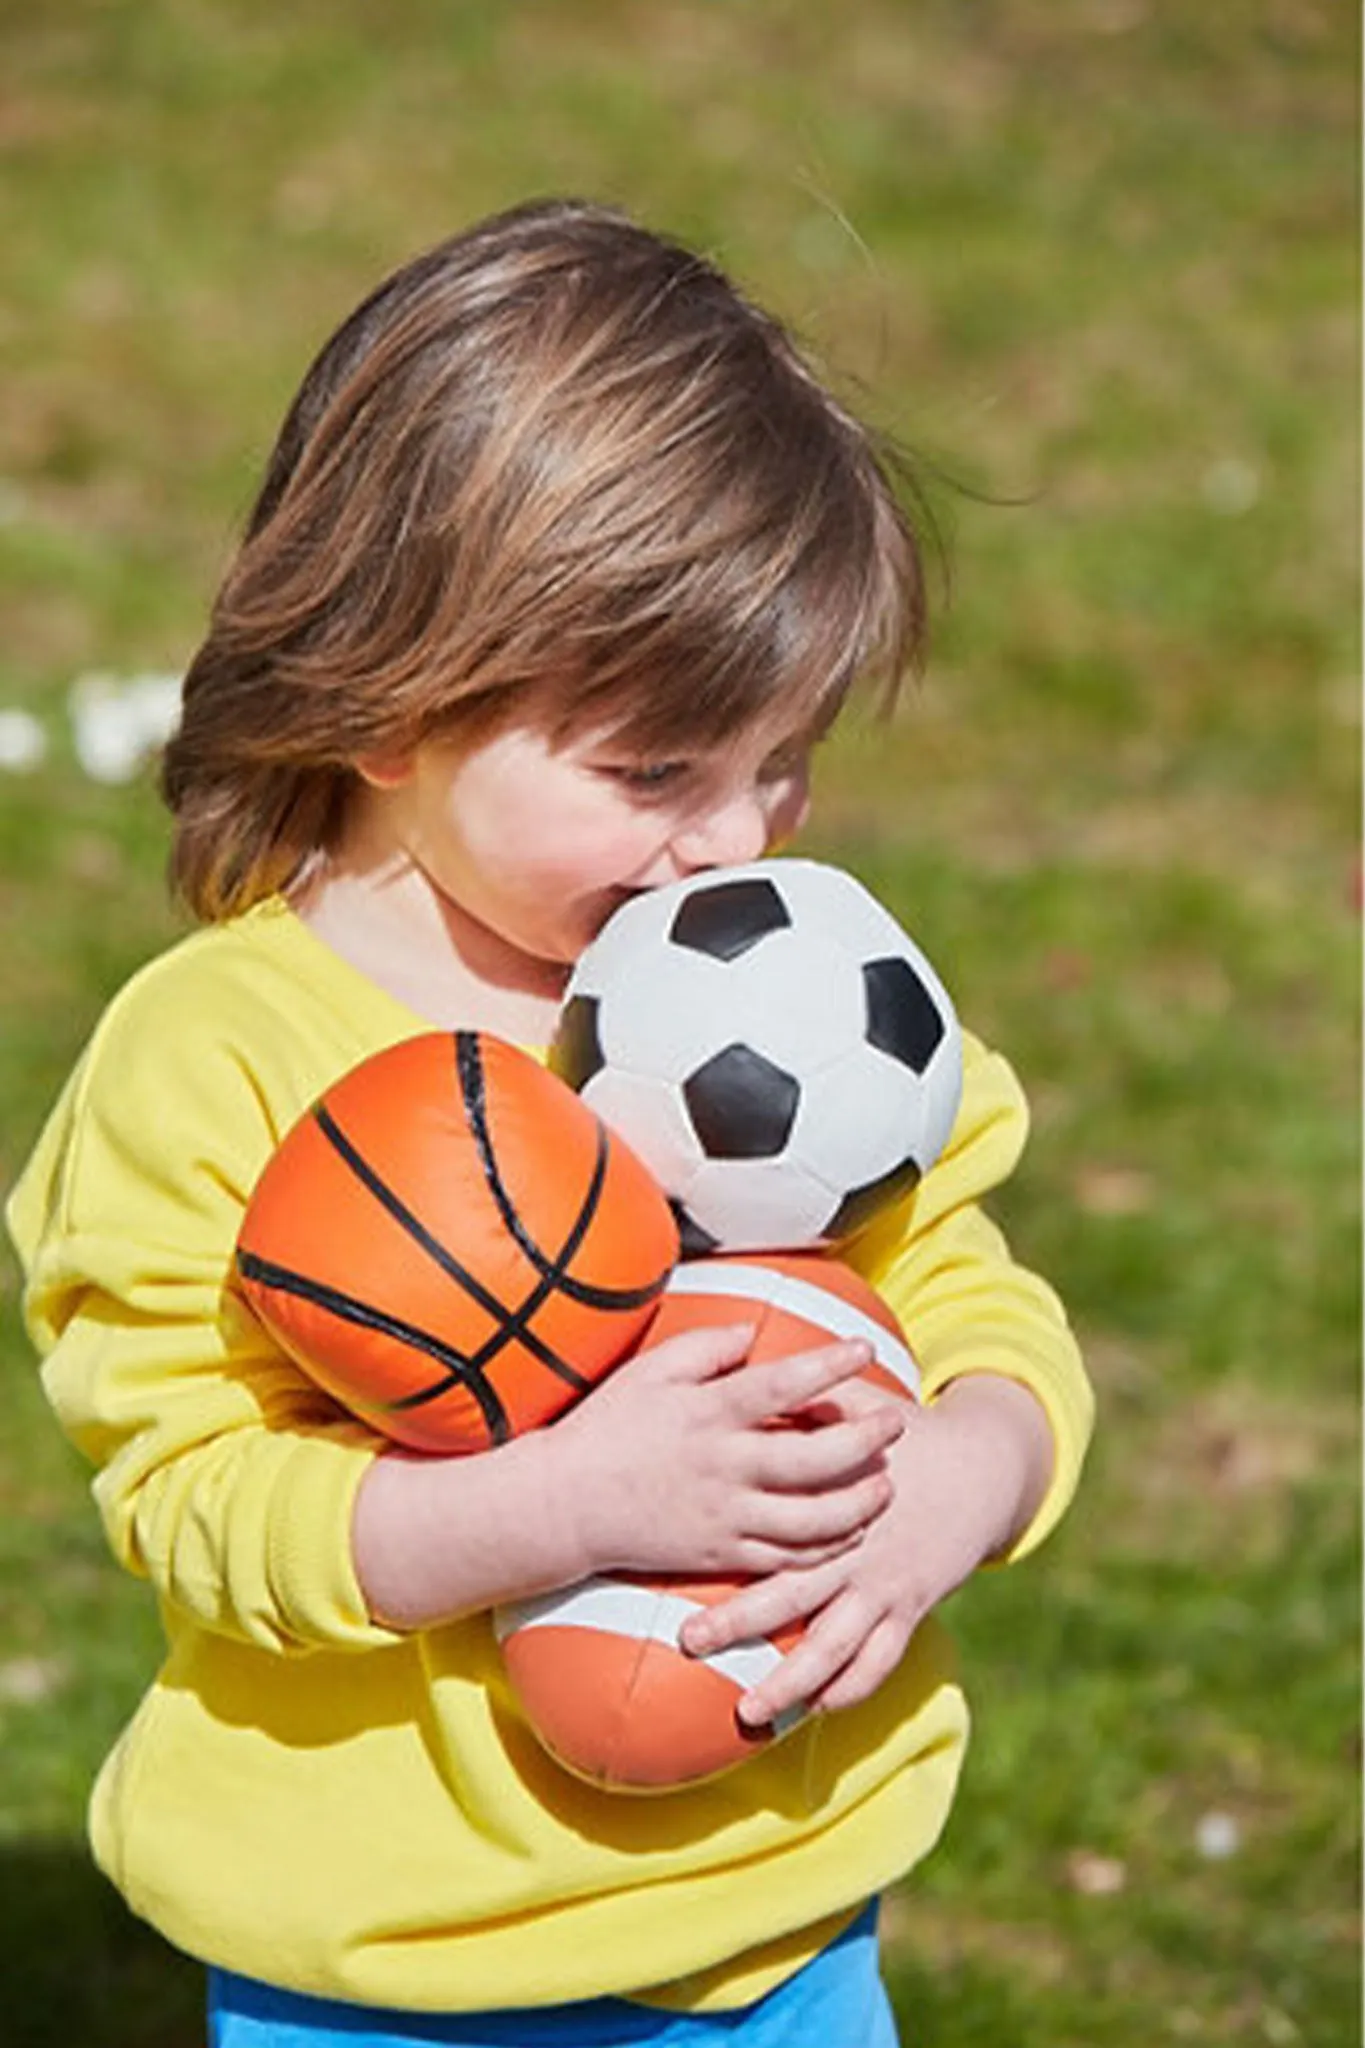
column 597, row 1668
column 453, row 1245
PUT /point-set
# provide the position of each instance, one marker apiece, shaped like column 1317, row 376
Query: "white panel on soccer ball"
column 796, row 998
column 651, row 1118
column 630, row 934
column 865, row 928
column 861, row 1119
column 752, row 1205
column 834, row 900
column 943, row 1091
column 663, row 1019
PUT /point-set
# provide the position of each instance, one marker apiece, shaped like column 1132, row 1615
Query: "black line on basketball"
column 470, row 1077
column 347, row 1309
column 552, row 1274
column 508, row 1323
column 401, row 1214
column 515, row 1321
column 469, row 1062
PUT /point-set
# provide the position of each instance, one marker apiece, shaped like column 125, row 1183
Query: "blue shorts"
column 837, row 2000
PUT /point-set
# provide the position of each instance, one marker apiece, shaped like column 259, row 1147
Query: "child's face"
column 539, row 843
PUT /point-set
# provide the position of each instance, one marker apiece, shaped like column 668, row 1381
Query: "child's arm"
column 667, row 1466
column 230, row 1481
column 969, row 1475
column 984, row 1468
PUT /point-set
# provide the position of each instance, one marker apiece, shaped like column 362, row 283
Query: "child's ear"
column 384, row 771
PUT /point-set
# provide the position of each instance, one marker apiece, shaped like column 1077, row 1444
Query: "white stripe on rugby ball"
column 825, row 1309
column 645, row 1614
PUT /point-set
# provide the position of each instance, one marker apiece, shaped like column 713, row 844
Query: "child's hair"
column 557, row 467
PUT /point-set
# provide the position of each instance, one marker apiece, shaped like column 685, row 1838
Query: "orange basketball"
column 453, row 1245
column 597, row 1667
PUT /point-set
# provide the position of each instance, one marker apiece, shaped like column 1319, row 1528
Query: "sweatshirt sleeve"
column 966, row 1307
column 222, row 1474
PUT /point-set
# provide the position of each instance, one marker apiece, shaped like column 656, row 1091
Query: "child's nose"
column 734, row 831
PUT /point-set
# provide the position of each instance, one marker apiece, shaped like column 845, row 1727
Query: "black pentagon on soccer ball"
column 860, row 1205
column 726, row 918
column 902, row 1017
column 741, row 1105
column 576, row 1054
column 693, row 1240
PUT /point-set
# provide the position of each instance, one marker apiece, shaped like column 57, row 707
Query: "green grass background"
column 1096, row 259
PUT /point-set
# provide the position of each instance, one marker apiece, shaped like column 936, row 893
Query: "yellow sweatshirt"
column 310, row 1799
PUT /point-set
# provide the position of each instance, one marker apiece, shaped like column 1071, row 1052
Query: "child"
column 562, row 563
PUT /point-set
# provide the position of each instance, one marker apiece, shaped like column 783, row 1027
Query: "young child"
column 563, row 561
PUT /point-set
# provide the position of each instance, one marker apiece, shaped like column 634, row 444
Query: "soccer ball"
column 774, row 1047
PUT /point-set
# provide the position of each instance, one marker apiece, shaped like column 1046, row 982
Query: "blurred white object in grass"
column 1094, row 1876
column 26, row 1681
column 118, row 722
column 1231, row 486
column 1217, row 1837
column 23, row 742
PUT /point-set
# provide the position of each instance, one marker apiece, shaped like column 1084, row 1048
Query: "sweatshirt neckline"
column 354, row 987
column 278, row 916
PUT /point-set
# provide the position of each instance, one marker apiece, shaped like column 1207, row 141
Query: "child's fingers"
column 783, row 1386
column 760, row 1557
column 837, row 1636
column 798, row 1520
column 861, row 1676
column 851, row 1399
column 801, row 1461
column 700, row 1354
column 761, row 1608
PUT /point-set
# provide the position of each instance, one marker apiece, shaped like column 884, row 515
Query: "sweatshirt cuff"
column 308, row 1544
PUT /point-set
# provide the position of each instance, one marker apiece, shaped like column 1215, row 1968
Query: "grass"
column 1097, row 259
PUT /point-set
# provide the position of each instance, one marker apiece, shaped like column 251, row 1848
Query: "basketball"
column 597, row 1668
column 453, row 1245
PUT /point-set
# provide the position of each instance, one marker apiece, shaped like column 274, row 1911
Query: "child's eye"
column 650, row 778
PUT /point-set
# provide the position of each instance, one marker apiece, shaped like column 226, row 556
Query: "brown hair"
column 557, row 465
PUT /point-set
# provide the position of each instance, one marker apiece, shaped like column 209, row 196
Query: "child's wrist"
column 1007, row 1425
column 569, row 1497
column 434, row 1538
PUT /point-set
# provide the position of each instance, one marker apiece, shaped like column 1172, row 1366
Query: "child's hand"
column 672, row 1467
column 969, row 1473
